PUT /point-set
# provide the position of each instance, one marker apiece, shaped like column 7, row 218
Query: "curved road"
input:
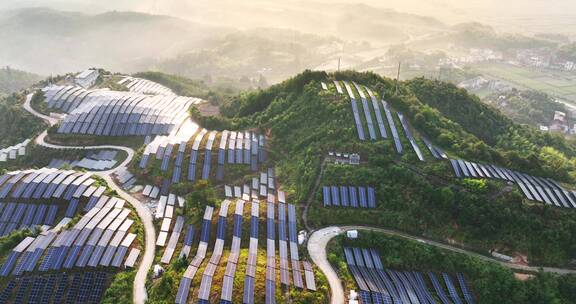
column 140, row 294
column 320, row 238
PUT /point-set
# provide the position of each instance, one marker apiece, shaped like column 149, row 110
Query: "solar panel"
column 371, row 198
column 335, row 196
column 326, row 196
column 451, row 289
column 363, row 201
column 353, row 197
column 464, row 288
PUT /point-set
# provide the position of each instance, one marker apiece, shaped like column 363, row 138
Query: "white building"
column 87, row 78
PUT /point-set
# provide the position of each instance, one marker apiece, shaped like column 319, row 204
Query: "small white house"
column 158, row 271
column 352, row 234
column 87, row 78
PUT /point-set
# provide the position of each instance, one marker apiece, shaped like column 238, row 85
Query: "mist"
column 226, row 39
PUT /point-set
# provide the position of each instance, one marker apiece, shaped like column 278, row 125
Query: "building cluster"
column 479, row 83
column 344, row 158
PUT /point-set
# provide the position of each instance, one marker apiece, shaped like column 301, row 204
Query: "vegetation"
column 567, row 52
column 187, row 87
column 12, row 80
column 121, row 288
column 491, row 137
column 526, row 107
column 38, row 156
column 8, row 242
column 490, row 282
column 16, row 125
column 421, row 198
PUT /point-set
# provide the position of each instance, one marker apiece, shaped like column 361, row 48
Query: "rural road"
column 140, row 294
column 319, row 240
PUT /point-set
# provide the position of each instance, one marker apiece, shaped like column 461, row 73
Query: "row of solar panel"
column 56, row 288
column 21, row 215
column 186, row 281
column 86, row 244
column 367, row 109
column 116, row 113
column 44, row 183
column 379, row 118
column 145, row 86
column 389, row 286
column 270, row 255
column 231, row 265
column 206, row 281
column 349, row 196
column 411, row 139
column 173, row 242
column 540, row 189
column 208, row 275
column 251, row 264
column 355, row 112
column 112, row 119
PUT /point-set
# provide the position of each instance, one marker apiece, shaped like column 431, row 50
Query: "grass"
column 556, row 83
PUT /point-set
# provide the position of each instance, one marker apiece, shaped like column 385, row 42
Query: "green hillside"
column 423, row 198
column 16, row 124
column 12, row 80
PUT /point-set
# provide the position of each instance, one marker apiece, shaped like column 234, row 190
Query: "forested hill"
column 12, row 80
column 16, row 125
column 507, row 142
column 447, row 115
column 305, row 122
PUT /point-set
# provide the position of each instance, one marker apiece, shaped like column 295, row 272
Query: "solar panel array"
column 232, row 263
column 435, row 151
column 145, row 86
column 242, row 196
column 87, row 287
column 252, row 263
column 367, row 115
column 540, row 189
column 165, row 212
column 411, row 139
column 355, row 112
column 249, row 148
column 35, row 197
column 125, row 177
column 12, row 152
column 375, row 106
column 379, row 285
column 208, row 275
column 392, row 126
column 103, row 160
column 87, row 243
column 173, row 242
column 270, row 254
column 186, row 281
column 188, row 240
column 115, row 113
column 349, row 196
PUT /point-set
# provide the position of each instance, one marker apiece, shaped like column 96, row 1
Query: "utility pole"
column 398, row 76
column 338, row 64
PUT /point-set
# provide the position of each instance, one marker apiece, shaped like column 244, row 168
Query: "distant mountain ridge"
column 71, row 41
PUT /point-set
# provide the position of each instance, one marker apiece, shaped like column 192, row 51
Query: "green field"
column 557, row 83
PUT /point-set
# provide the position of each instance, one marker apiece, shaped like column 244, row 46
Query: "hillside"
column 71, row 41
column 423, row 198
column 12, row 80
column 16, row 125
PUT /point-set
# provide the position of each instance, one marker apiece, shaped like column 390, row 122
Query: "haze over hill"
column 533, row 16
